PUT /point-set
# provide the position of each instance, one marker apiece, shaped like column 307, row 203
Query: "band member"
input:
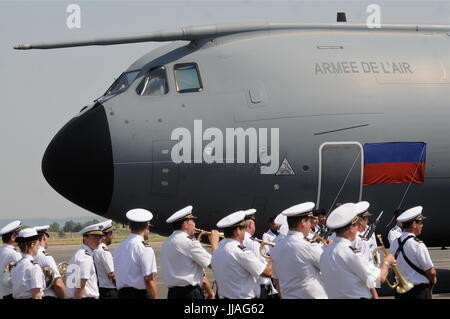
column 27, row 277
column 397, row 230
column 8, row 254
column 365, row 245
column 346, row 274
column 104, row 264
column 134, row 260
column 82, row 268
column 183, row 258
column 236, row 268
column 270, row 234
column 296, row 262
column 265, row 284
column 58, row 289
column 413, row 258
column 322, row 217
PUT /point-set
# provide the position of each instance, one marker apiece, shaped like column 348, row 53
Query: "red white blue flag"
column 394, row 163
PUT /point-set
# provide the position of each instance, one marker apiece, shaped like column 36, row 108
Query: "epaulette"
column 418, row 240
column 355, row 250
column 15, row 248
column 145, row 244
column 45, row 253
column 191, row 237
column 241, row 247
column 87, row 253
column 105, row 248
column 33, row 262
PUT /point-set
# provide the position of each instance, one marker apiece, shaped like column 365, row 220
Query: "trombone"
column 401, row 285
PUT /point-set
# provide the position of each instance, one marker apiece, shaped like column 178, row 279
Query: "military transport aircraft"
column 265, row 116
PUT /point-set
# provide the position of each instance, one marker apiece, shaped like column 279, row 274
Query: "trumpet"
column 401, row 285
column 318, row 238
column 205, row 232
column 262, row 244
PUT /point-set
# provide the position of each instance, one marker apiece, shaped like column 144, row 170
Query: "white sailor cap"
column 280, row 219
column 15, row 225
column 26, row 235
column 236, row 219
column 414, row 213
column 344, row 215
column 182, row 214
column 41, row 229
column 107, row 226
column 250, row 213
column 139, row 215
column 96, row 229
column 303, row 209
column 362, row 209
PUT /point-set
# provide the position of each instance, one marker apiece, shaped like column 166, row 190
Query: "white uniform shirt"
column 394, row 233
column 365, row 246
column 104, row 264
column 81, row 266
column 133, row 261
column 236, row 270
column 182, row 260
column 418, row 254
column 8, row 254
column 296, row 264
column 45, row 260
column 25, row 276
column 345, row 273
column 254, row 246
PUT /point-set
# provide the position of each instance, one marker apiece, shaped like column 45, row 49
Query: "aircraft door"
column 341, row 167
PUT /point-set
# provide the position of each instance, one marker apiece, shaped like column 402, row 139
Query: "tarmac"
column 440, row 258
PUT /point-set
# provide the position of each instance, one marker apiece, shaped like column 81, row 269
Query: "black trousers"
column 187, row 292
column 108, row 293
column 265, row 292
column 8, row 297
column 132, row 293
column 418, row 292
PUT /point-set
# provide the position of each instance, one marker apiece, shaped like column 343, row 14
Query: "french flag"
column 394, row 163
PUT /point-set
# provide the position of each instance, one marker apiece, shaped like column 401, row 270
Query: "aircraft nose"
column 78, row 162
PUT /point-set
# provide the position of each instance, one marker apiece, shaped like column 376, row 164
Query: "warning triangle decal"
column 285, row 169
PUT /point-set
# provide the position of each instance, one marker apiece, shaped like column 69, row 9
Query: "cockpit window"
column 154, row 83
column 122, row 83
column 187, row 78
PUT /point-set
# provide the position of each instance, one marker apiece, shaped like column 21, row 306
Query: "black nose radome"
column 78, row 162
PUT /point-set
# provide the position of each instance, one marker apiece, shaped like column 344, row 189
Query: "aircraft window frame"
column 199, row 78
column 166, row 84
column 121, row 76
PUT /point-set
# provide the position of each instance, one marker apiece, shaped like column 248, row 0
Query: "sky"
column 41, row 90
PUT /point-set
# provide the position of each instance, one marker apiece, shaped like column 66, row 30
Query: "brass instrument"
column 263, row 243
column 401, row 285
column 204, row 232
column 62, row 268
column 5, row 279
column 318, row 238
column 49, row 275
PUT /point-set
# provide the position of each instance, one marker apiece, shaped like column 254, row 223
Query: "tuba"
column 401, row 285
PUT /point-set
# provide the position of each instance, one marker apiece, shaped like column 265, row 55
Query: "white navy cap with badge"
column 343, row 215
column 96, row 229
column 139, row 215
column 236, row 219
column 15, row 225
column 303, row 209
column 41, row 229
column 362, row 209
column 414, row 213
column 107, row 226
column 182, row 214
column 250, row 213
column 26, row 235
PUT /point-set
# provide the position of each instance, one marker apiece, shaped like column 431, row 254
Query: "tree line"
column 70, row 226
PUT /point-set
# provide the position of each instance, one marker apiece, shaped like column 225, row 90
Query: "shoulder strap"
column 400, row 250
